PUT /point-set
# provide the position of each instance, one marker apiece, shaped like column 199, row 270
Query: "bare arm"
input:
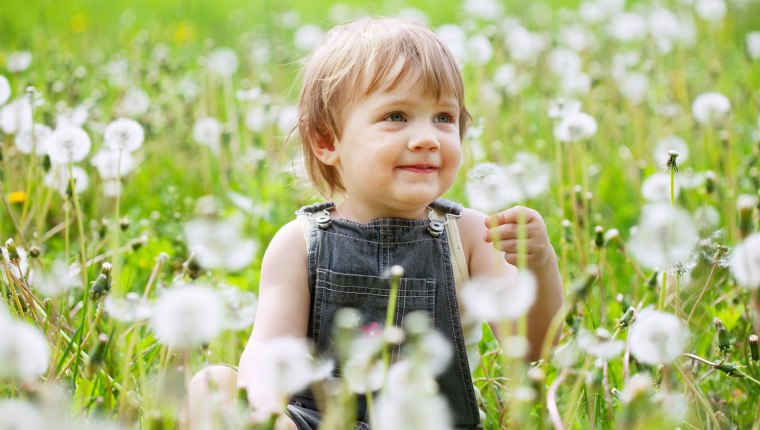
column 489, row 258
column 283, row 308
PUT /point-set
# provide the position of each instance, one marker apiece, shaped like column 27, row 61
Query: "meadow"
column 146, row 162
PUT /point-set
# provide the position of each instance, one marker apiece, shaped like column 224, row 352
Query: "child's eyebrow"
column 447, row 103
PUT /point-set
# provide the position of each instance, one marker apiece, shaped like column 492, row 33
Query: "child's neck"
column 362, row 214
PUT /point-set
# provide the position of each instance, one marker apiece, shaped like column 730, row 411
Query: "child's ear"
column 325, row 151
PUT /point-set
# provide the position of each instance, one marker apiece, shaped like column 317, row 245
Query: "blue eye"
column 395, row 117
column 443, row 117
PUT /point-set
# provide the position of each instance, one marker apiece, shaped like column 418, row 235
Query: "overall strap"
column 309, row 216
column 447, row 211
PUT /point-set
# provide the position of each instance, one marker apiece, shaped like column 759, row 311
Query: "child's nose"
column 424, row 138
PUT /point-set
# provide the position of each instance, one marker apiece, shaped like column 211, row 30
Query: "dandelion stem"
column 694, row 307
column 551, row 401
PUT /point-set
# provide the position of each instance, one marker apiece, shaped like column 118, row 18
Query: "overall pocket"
column 369, row 295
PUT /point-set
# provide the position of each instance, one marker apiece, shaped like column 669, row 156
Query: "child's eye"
column 443, row 117
column 395, row 117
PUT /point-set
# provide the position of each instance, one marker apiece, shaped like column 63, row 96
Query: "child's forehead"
column 404, row 78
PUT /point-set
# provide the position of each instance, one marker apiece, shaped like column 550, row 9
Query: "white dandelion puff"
column 18, row 268
column 710, row 10
column 134, row 103
column 113, row 164
column 627, row 27
column 208, row 131
column 493, row 299
column 287, row 118
column 665, row 145
column 455, row 38
column 71, row 117
column 307, row 37
column 752, row 39
column 564, row 60
column 664, row 236
column 37, row 137
column 24, row 350
column 364, row 370
column 5, row 90
column 68, row 145
column 745, row 262
column 480, row 50
column 411, row 406
column 187, row 315
column 656, row 187
column 483, row 9
column 16, row 116
column 58, row 178
column 222, row 62
column 575, row 127
column 561, row 107
column 132, row 307
column 600, row 343
column 710, row 108
column 657, row 337
column 59, row 279
column 124, row 135
column 219, row 244
column 18, row 61
column 21, row 414
column 240, row 307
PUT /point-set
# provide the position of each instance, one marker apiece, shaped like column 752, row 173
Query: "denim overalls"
column 348, row 265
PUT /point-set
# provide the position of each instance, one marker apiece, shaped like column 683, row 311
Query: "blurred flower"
column 18, row 61
column 627, row 27
column 24, row 350
column 22, row 414
column 657, row 337
column 59, row 279
column 493, row 299
column 411, row 403
column 71, row 117
column 577, row 38
column 68, row 145
column 490, row 10
column 563, row 61
column 18, row 268
column 599, row 10
column 491, row 187
column 656, row 187
column 240, row 307
column 287, row 118
column 509, row 79
column 58, row 178
column 134, row 103
column 480, row 50
column 454, row 37
column 710, row 108
column 132, row 307
column 745, row 262
column 707, row 219
column 16, row 116
column 37, row 136
column 665, row 235
column 208, row 131
column 566, row 355
column 667, row 144
column 219, row 243
column 408, row 13
column 124, row 135
column 633, row 86
column 710, row 10
column 186, row 316
column 753, row 46
column 664, row 27
column 432, row 350
column 575, row 84
column 638, row 386
column 222, row 62
column 524, row 46
column 364, row 370
column 307, row 37
column 257, row 118
column 600, row 343
column 113, row 164
column 561, row 107
column 5, row 90
column 575, row 127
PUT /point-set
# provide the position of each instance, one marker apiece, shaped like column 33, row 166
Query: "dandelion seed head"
column 745, row 262
column 752, row 39
column 5, row 90
column 664, row 236
column 600, row 344
column 657, row 337
column 710, row 108
column 59, row 279
column 37, row 136
column 222, row 62
column 287, row 366
column 113, row 164
column 575, row 127
column 24, row 350
column 68, row 145
column 18, row 61
column 656, row 187
column 16, row 116
column 134, row 103
column 240, row 307
column 405, row 408
column 483, row 9
column 307, row 37
column 131, row 308
column 637, row 386
column 58, row 179
column 124, row 135
column 710, row 10
column 71, row 117
column 480, row 50
column 494, row 300
column 455, row 38
column 17, row 268
column 208, row 131
column 671, row 143
column 186, row 316
column 219, row 243
column 627, row 27
column 17, row 414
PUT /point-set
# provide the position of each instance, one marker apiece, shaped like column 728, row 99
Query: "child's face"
column 400, row 149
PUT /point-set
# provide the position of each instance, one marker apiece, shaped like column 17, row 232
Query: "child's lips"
column 419, row 168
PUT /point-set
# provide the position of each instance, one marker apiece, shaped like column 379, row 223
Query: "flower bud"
column 754, row 347
column 567, row 230
column 627, row 317
column 582, row 285
column 98, row 351
column 671, row 164
column 10, row 246
column 599, row 236
column 34, row 251
column 745, row 205
column 124, row 223
column 710, row 181
column 396, row 272
column 724, row 343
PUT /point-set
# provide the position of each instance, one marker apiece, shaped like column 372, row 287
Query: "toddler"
column 381, row 119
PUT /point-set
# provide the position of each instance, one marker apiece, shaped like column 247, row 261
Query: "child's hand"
column 502, row 231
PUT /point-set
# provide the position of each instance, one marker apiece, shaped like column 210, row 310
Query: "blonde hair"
column 357, row 59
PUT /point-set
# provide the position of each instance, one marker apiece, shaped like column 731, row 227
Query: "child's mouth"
column 419, row 168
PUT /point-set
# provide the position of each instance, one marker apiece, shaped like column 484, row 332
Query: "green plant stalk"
column 390, row 317
column 575, row 394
